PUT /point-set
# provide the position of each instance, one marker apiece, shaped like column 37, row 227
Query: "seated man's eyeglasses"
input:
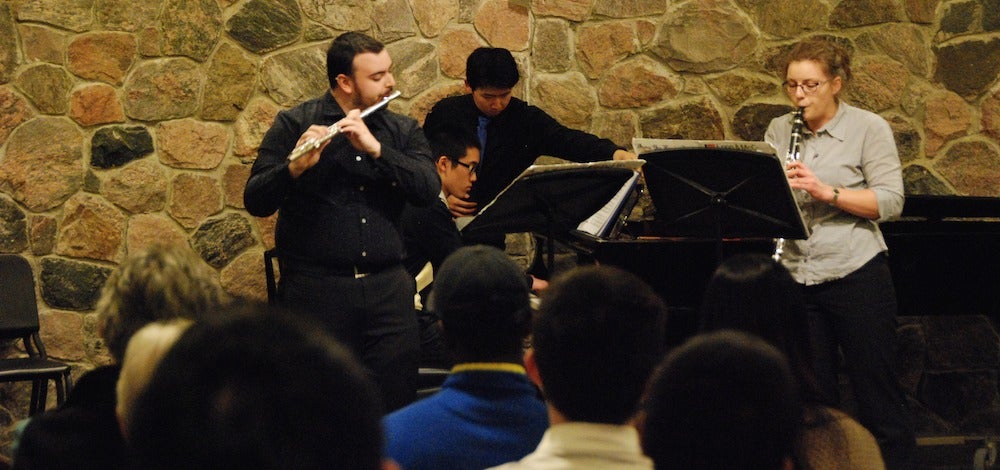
column 472, row 167
column 807, row 87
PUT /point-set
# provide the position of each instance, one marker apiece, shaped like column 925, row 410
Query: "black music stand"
column 718, row 193
column 551, row 199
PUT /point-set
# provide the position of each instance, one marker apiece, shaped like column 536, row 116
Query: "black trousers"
column 372, row 315
column 857, row 314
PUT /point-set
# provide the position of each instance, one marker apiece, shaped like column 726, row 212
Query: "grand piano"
column 944, row 254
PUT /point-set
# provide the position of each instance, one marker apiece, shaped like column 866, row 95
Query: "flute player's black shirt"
column 343, row 212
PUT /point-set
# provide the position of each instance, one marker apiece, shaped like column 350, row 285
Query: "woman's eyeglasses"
column 807, row 87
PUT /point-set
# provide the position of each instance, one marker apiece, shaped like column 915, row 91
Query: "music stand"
column 551, row 199
column 718, row 193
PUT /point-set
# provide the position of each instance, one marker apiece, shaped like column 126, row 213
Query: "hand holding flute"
column 314, row 140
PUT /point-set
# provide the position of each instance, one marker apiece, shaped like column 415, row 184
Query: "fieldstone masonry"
column 126, row 123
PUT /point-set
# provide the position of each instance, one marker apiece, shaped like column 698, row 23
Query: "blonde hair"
column 143, row 354
column 160, row 283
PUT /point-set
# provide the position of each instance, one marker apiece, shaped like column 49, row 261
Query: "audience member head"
column 340, row 54
column 491, row 67
column 722, row 400
column 160, row 283
column 482, row 299
column 754, row 293
column 257, row 389
column 457, row 162
column 144, row 351
column 597, row 337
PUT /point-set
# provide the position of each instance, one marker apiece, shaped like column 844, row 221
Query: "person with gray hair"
column 160, row 283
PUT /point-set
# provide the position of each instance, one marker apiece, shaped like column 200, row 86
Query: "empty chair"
column 19, row 320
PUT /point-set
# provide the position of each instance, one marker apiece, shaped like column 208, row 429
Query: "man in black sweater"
column 511, row 132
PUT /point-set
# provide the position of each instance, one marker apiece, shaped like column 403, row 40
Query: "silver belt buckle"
column 358, row 275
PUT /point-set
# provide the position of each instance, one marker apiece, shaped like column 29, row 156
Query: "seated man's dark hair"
column 452, row 143
column 340, row 55
column 491, row 67
column 723, row 400
column 257, row 390
column 598, row 335
column 481, row 296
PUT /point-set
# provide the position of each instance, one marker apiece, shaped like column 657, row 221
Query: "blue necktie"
column 481, row 132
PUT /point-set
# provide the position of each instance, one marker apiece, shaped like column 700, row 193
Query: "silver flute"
column 333, row 130
column 794, row 153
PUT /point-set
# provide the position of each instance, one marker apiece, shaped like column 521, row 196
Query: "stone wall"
column 124, row 123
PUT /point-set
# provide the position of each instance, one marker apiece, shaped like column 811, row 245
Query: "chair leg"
column 37, row 388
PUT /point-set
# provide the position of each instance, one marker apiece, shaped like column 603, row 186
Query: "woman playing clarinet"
column 847, row 179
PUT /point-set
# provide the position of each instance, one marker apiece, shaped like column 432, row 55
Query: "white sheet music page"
column 600, row 223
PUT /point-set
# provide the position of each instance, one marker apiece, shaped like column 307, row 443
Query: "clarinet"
column 794, row 153
column 331, row 131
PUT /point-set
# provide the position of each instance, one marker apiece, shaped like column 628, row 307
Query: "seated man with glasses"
column 430, row 234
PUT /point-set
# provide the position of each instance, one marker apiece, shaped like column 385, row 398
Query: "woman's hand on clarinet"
column 310, row 159
column 801, row 177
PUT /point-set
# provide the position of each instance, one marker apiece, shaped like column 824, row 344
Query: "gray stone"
column 698, row 120
column 74, row 15
column 981, row 155
column 556, row 55
column 265, row 25
column 738, row 86
column 47, row 86
column 414, row 64
column 71, row 285
column 44, row 163
column 854, row 13
column 393, row 21
column 958, row 17
column 222, row 239
column 917, row 179
column 13, row 227
column 705, row 37
column 8, row 43
column 787, row 18
column 968, row 67
column 125, row 15
column 629, row 9
column 751, row 121
column 908, row 140
column 991, row 15
column 138, row 187
column 227, row 89
column 292, row 77
column 91, row 183
column 342, row 15
column 433, row 15
column 90, row 228
column 117, row 145
column 163, row 89
column 904, row 43
column 190, row 27
column 42, row 233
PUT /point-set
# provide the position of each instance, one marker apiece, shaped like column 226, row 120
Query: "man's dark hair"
column 482, row 298
column 491, row 67
column 340, row 55
column 597, row 337
column 722, row 400
column 260, row 390
column 452, row 143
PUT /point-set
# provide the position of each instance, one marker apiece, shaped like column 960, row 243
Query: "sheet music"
column 644, row 145
column 600, row 223
column 634, row 165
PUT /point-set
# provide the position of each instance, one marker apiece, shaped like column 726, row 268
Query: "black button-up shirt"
column 342, row 213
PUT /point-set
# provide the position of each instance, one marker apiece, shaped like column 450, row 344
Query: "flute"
column 333, row 130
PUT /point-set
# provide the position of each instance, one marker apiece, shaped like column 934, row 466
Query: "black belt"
column 357, row 272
